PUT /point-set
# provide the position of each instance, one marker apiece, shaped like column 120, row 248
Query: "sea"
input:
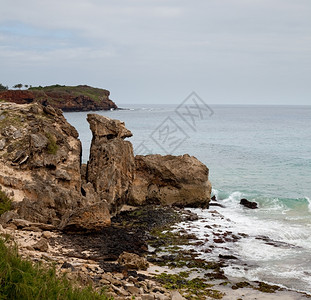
column 261, row 153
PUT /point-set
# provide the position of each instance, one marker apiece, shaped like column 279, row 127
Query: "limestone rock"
column 133, row 261
column 170, row 180
column 111, row 163
column 7, row 217
column 42, row 245
column 89, row 218
column 40, row 161
column 176, row 296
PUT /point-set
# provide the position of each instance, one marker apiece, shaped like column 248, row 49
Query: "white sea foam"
column 309, row 205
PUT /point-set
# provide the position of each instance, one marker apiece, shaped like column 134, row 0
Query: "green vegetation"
column 267, row 288
column 17, row 86
column 21, row 279
column 3, row 88
column 52, row 147
column 10, row 119
column 5, row 203
column 95, row 94
column 195, row 288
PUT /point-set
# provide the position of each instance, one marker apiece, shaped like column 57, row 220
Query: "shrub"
column 3, row 88
column 22, row 279
column 5, row 203
column 52, row 147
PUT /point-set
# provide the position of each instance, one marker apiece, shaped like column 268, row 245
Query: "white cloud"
column 157, row 41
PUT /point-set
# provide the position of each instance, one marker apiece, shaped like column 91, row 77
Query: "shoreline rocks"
column 170, row 180
column 248, row 204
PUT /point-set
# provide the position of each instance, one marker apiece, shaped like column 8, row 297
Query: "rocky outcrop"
column 66, row 98
column 40, row 159
column 133, row 261
column 40, row 166
column 111, row 164
column 170, row 180
column 92, row 217
column 249, row 204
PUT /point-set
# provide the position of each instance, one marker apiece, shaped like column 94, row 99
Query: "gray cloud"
column 236, row 51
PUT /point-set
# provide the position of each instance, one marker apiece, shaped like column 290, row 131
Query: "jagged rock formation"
column 66, row 98
column 111, row 164
column 40, row 167
column 170, row 180
column 40, row 158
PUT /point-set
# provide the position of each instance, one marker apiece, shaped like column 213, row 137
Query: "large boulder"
column 111, row 163
column 40, row 160
column 170, row 180
column 88, row 218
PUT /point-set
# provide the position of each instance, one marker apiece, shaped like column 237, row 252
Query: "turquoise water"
column 262, row 153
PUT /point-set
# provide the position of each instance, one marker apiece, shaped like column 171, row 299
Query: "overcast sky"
column 156, row 51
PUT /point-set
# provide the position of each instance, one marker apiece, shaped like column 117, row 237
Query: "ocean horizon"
column 258, row 152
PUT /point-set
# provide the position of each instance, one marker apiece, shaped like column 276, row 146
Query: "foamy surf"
column 269, row 247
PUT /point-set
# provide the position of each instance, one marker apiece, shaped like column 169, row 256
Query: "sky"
column 156, row 51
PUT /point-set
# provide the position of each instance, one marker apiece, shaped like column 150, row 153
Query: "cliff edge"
column 66, row 98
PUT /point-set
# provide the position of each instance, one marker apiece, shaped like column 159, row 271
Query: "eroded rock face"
column 111, row 164
column 40, row 159
column 170, row 180
column 88, row 218
column 67, row 99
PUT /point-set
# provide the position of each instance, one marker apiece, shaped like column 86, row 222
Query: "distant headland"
column 66, row 98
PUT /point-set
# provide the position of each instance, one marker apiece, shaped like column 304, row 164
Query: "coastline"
column 196, row 258
column 151, row 232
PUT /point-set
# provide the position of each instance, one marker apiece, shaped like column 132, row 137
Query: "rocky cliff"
column 66, row 98
column 40, row 168
column 170, row 180
column 111, row 164
column 40, row 159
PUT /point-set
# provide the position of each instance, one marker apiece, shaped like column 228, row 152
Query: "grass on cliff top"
column 5, row 203
column 22, row 279
column 95, row 94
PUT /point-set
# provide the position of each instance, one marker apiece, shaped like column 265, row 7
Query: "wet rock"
column 133, row 261
column 216, row 204
column 170, row 180
column 248, row 204
column 227, row 256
